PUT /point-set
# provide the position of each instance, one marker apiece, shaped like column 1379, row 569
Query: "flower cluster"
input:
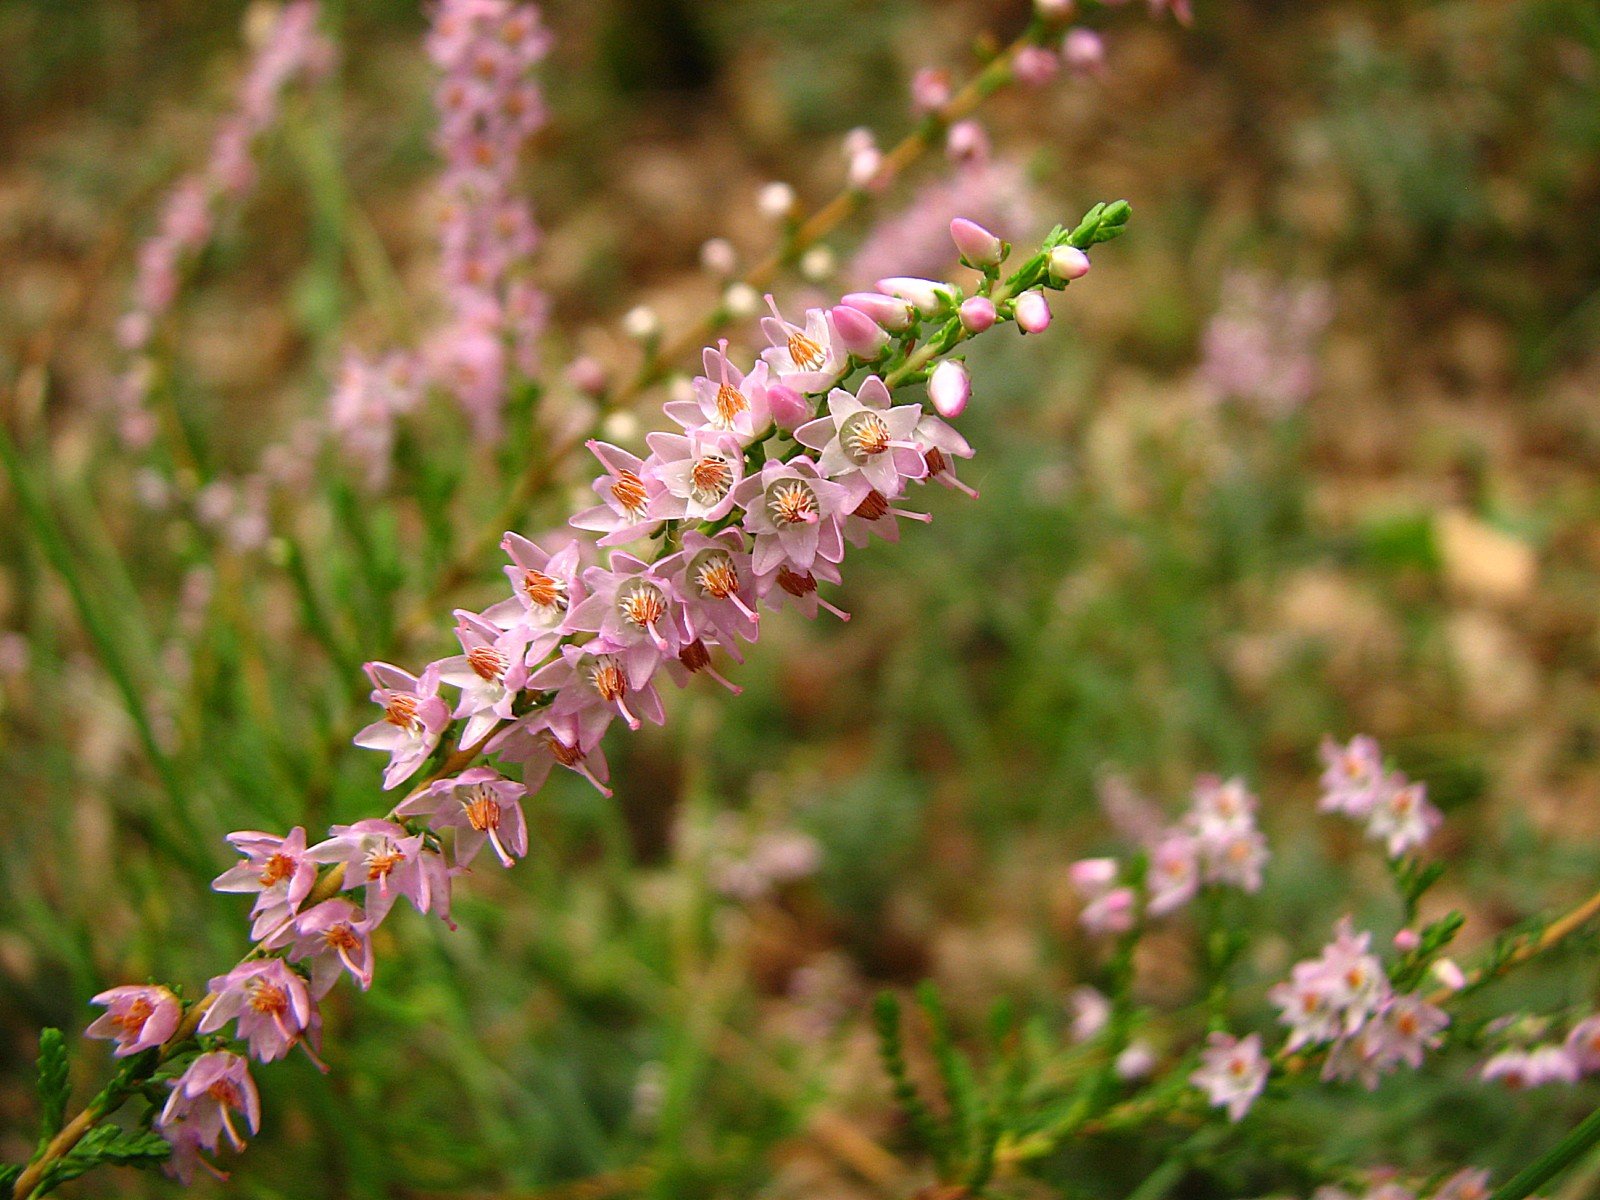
column 489, row 106
column 1566, row 1061
column 1356, row 784
column 748, row 507
column 1216, row 842
column 289, row 47
column 1343, row 1000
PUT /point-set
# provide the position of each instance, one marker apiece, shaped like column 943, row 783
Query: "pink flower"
column 592, row 685
column 1403, row 819
column 334, row 935
column 725, row 398
column 1232, row 1072
column 712, row 574
column 490, row 674
column 1583, row 1045
column 273, row 1007
column 794, row 514
column 698, row 472
column 414, row 717
column 380, row 856
column 1353, row 778
column 627, row 489
column 811, row 359
column 481, row 806
column 275, row 867
column 539, row 741
column 137, row 1018
column 201, row 1106
column 865, row 444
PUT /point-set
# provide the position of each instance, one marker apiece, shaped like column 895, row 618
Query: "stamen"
column 938, row 464
column 630, row 492
column 268, row 998
column 489, row 663
column 401, row 710
column 483, row 810
column 573, row 758
column 132, row 1021
column 544, row 591
column 874, row 506
column 608, row 680
column 381, row 862
column 805, row 352
column 795, row 583
column 709, row 478
column 695, row 656
column 643, row 607
column 730, row 404
column 279, row 867
column 793, row 503
column 863, row 436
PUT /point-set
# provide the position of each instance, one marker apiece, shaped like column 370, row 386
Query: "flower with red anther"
column 413, row 719
column 725, row 398
column 136, row 1018
column 272, row 1005
column 200, row 1110
column 335, row 935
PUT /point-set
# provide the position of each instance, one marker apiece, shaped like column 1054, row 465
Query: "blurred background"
column 1312, row 451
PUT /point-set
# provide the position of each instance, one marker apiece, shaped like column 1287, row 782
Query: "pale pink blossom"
column 1232, row 1072
column 137, row 1018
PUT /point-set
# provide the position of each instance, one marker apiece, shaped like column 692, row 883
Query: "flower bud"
column 893, row 314
column 1034, row 66
column 1033, row 312
column 788, row 407
column 588, row 376
column 977, row 314
column 817, row 264
column 966, row 142
column 979, row 248
column 718, row 257
column 950, row 388
column 1407, row 940
column 1449, row 973
column 641, row 323
column 1083, row 52
column 1068, row 263
column 741, row 300
column 1054, row 10
column 928, row 296
column 859, row 333
column 776, row 201
column 930, row 90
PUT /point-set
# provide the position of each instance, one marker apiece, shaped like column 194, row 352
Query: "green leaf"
column 53, row 1084
column 1561, row 1156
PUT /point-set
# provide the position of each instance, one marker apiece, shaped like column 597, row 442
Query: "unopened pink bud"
column 1407, row 940
column 1033, row 312
column 950, row 388
column 1092, row 875
column 1083, row 52
column 930, row 89
column 1068, row 262
column 587, row 375
column 788, row 407
column 1449, row 973
column 859, row 333
column 927, row 295
column 967, row 142
column 979, row 248
column 977, row 314
column 1034, row 66
column 890, row 312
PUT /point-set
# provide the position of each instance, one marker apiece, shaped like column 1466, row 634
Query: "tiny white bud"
column 741, row 300
column 776, row 201
column 641, row 323
column 817, row 263
column 1449, row 973
column 620, row 426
